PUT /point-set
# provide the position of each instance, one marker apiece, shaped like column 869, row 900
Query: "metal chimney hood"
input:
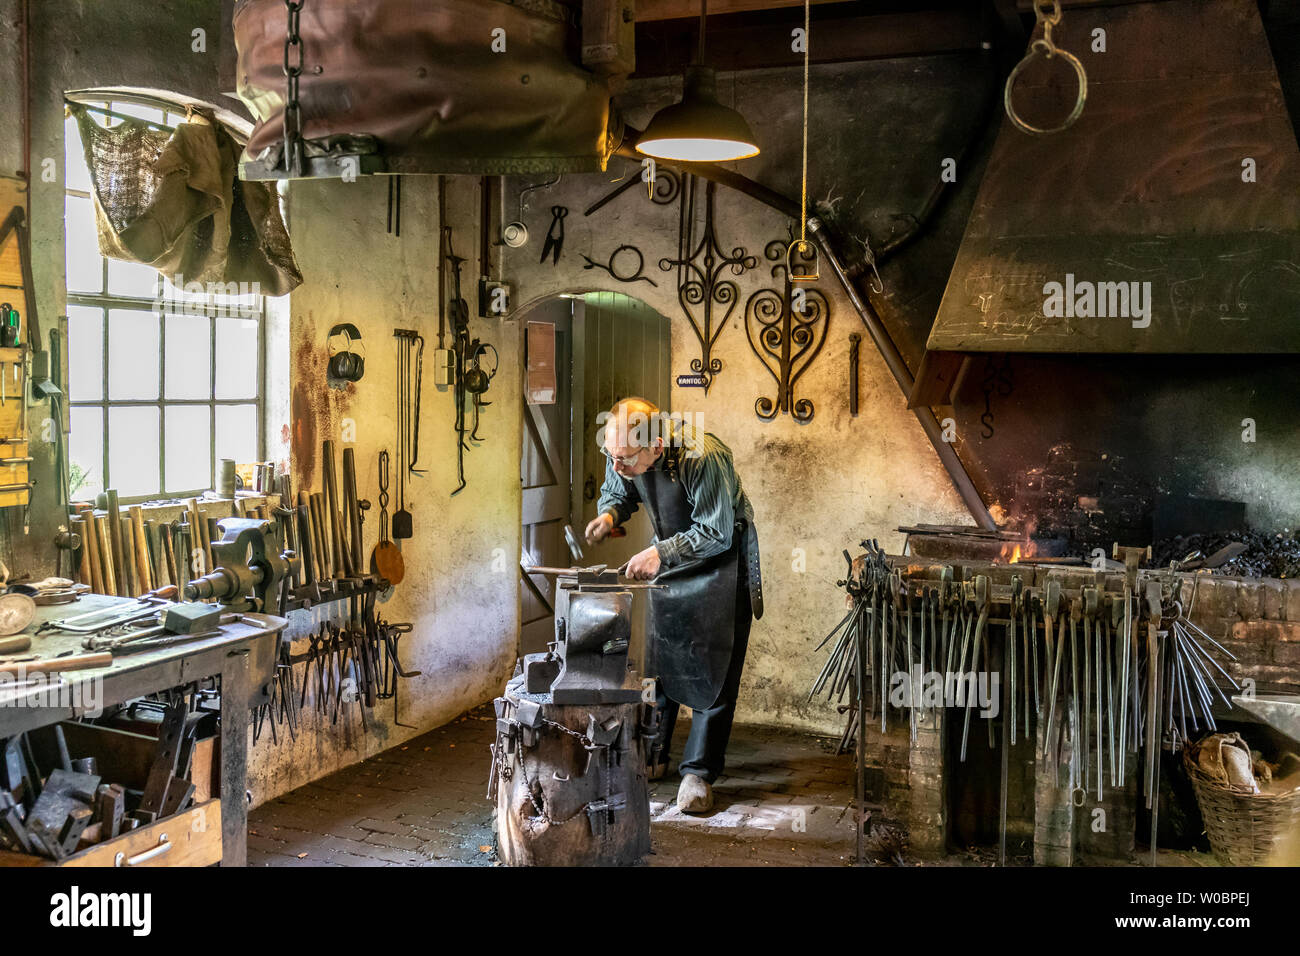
column 1166, row 220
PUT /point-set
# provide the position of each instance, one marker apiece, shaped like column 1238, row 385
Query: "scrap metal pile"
column 1104, row 671
column 72, row 785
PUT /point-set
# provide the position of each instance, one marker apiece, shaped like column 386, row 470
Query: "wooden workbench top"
column 50, row 644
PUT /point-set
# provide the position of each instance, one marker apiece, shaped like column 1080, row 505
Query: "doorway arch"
column 606, row 346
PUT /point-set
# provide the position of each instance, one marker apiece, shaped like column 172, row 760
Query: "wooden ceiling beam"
column 648, row 11
column 662, row 50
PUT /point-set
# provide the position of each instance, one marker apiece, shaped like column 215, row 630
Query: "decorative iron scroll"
column 706, row 296
column 786, row 329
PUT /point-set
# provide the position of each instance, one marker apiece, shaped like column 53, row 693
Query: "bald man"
column 705, row 550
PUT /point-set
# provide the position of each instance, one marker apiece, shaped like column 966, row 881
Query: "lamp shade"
column 699, row 129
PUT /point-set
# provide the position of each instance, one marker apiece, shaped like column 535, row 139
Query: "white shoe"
column 694, row 795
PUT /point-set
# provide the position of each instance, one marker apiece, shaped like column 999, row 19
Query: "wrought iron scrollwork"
column 786, row 329
column 706, row 295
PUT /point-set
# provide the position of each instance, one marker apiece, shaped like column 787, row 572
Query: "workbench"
column 242, row 653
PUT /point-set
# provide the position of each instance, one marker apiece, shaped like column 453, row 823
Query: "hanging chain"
column 538, row 805
column 293, row 150
column 1047, row 14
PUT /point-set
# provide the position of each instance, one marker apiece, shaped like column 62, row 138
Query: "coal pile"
column 1267, row 554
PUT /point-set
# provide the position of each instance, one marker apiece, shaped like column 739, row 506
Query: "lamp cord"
column 704, row 15
column 803, row 193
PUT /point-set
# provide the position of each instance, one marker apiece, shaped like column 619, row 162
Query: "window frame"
column 214, row 311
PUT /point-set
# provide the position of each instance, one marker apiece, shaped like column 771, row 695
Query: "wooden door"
column 545, row 471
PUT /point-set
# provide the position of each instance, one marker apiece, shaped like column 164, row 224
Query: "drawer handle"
column 163, row 846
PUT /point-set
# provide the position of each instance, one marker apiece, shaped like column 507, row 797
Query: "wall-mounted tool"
column 554, row 244
column 402, row 521
column 9, row 326
column 410, row 379
column 386, row 558
column 443, row 373
column 345, row 365
column 467, row 355
column 395, row 206
column 477, row 379
column 855, row 344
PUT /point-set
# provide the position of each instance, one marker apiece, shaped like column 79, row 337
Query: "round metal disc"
column 16, row 612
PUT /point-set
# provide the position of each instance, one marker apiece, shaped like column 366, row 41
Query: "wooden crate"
column 192, row 838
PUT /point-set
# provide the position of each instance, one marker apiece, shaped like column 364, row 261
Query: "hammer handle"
column 55, row 664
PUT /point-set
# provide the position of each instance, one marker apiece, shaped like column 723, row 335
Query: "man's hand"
column 644, row 565
column 600, row 528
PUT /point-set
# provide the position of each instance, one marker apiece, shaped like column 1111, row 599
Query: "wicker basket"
column 1245, row 829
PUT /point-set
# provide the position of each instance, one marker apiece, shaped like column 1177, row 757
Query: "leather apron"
column 691, row 625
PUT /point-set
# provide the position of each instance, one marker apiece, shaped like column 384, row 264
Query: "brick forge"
column 926, row 787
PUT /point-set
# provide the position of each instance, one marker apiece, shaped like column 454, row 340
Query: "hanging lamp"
column 699, row 129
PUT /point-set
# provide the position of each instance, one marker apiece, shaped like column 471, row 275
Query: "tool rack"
column 892, row 598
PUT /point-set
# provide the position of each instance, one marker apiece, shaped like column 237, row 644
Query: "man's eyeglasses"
column 628, row 462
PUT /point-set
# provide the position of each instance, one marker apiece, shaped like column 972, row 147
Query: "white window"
column 160, row 384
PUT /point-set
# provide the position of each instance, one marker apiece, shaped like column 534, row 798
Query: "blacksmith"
column 705, row 549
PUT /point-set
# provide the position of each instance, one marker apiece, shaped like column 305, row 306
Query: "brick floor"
column 783, row 802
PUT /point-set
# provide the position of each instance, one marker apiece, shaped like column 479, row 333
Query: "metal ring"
column 1078, row 796
column 1049, row 51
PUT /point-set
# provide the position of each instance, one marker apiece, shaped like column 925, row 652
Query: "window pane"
column 84, row 265
column 132, row 356
column 131, row 278
column 189, row 357
column 85, row 354
column 150, row 113
column 86, row 450
column 237, row 433
column 133, row 450
column 237, row 358
column 189, row 448
column 77, row 174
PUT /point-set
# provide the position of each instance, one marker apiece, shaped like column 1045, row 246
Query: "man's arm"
column 710, row 482
column 618, row 496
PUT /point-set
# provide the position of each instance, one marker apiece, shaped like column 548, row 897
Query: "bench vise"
column 250, row 568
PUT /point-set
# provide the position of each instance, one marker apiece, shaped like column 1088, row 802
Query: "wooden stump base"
column 562, row 798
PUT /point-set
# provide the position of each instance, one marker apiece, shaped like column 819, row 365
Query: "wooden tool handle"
column 54, row 664
column 90, row 545
column 15, row 645
column 120, row 577
column 106, row 562
column 332, row 505
column 77, row 525
column 143, row 565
